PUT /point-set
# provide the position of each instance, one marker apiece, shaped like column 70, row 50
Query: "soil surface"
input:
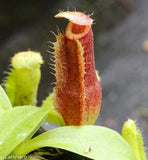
column 120, row 30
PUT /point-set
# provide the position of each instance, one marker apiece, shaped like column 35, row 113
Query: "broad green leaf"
column 94, row 142
column 19, row 124
column 53, row 115
column 4, row 100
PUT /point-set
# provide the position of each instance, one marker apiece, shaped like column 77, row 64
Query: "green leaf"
column 94, row 142
column 98, row 77
column 48, row 102
column 4, row 100
column 53, row 115
column 19, row 124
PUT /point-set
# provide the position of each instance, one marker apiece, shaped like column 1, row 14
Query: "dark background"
column 120, row 29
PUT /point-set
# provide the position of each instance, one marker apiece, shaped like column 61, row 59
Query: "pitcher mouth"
column 74, row 31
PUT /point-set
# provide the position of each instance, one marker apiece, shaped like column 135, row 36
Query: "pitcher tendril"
column 77, row 95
